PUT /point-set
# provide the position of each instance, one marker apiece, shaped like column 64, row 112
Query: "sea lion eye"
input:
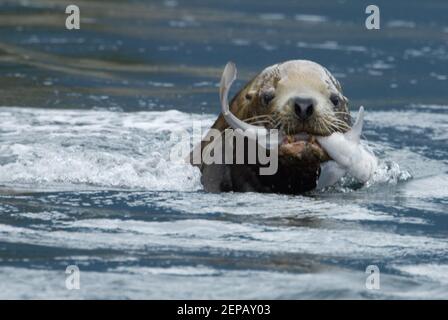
column 334, row 100
column 267, row 96
column 250, row 94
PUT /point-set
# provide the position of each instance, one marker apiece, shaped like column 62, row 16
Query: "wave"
column 94, row 148
column 103, row 149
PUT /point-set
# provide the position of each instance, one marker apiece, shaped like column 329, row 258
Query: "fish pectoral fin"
column 354, row 134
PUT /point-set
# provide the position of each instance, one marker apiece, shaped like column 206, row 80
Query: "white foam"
column 185, row 282
column 310, row 18
column 94, row 148
column 401, row 24
column 154, row 283
column 435, row 125
column 434, row 187
column 174, row 271
column 272, row 16
column 351, row 242
column 433, row 272
column 331, row 45
column 106, row 149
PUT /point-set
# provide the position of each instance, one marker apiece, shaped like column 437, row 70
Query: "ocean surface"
column 86, row 120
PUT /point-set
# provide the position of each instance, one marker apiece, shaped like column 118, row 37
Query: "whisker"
column 329, row 126
column 260, row 122
column 258, row 117
column 337, row 122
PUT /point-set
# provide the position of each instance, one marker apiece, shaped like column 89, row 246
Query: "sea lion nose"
column 304, row 107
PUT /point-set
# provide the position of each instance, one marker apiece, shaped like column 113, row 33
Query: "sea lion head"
column 302, row 100
column 299, row 97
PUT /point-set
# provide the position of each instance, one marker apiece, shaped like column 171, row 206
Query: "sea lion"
column 305, row 103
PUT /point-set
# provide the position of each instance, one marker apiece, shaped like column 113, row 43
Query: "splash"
column 94, row 149
column 66, row 149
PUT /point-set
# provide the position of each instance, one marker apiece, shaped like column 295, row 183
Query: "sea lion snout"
column 303, row 107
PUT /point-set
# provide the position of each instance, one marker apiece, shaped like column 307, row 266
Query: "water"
column 84, row 138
